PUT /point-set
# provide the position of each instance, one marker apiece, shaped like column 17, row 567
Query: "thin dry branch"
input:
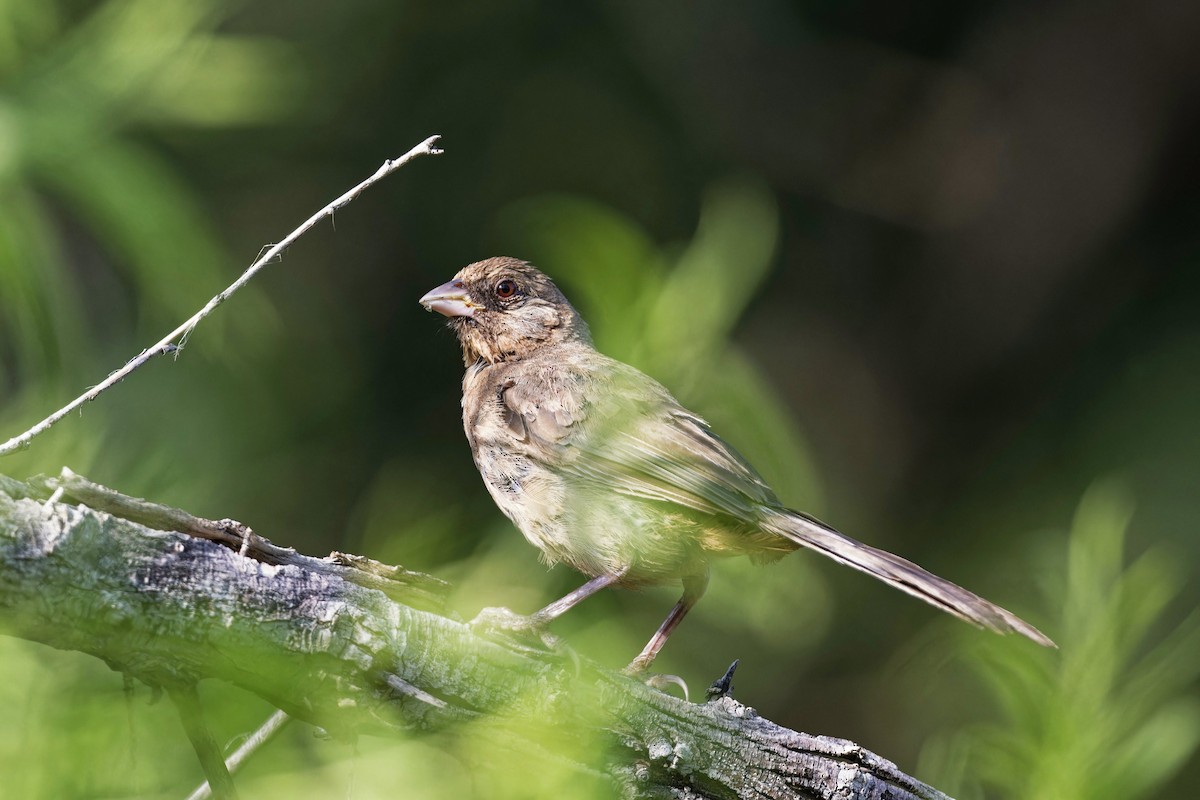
column 256, row 740
column 175, row 340
column 349, row 657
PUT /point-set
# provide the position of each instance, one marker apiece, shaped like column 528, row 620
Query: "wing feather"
column 631, row 436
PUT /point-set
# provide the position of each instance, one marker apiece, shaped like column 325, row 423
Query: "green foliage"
column 91, row 214
column 126, row 131
column 1113, row 714
column 75, row 90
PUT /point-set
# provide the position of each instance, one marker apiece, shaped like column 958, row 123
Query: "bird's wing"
column 619, row 430
column 605, row 423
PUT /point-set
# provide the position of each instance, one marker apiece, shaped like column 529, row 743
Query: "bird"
column 602, row 469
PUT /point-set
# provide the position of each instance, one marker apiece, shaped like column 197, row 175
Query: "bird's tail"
column 900, row 573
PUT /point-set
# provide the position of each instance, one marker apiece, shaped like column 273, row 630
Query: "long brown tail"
column 901, row 573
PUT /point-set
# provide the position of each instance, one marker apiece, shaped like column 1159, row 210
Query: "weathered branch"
column 355, row 647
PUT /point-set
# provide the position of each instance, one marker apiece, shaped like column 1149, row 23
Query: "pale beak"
column 450, row 299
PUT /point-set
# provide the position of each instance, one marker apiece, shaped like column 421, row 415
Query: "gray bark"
column 357, row 647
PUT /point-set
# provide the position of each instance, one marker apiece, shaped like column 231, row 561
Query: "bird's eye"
column 506, row 289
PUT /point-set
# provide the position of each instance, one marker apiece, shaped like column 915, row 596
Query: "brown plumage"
column 602, row 469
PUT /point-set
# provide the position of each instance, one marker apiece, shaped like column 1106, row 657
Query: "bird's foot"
column 505, row 619
column 661, row 682
column 639, row 665
column 637, row 669
column 509, row 625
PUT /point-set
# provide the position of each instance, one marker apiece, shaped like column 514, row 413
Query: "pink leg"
column 505, row 620
column 693, row 590
column 569, row 601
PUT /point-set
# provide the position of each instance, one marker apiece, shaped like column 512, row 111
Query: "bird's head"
column 503, row 309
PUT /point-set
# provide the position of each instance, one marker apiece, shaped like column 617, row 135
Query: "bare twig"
column 175, row 340
column 274, row 724
column 207, row 750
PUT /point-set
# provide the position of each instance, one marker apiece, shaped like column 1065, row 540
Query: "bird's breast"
column 529, row 493
column 524, row 446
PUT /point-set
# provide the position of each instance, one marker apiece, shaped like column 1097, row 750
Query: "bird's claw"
column 638, row 666
column 637, row 669
column 505, row 619
column 661, row 682
column 509, row 625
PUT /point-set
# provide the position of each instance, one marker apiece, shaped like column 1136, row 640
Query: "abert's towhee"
column 602, row 469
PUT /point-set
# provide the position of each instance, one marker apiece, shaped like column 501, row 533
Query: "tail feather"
column 900, row 573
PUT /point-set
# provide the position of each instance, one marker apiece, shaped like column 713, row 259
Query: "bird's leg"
column 507, row 620
column 693, row 590
column 572, row 599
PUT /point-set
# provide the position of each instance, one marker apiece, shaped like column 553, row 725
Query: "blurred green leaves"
column 74, row 92
column 1111, row 714
column 101, row 237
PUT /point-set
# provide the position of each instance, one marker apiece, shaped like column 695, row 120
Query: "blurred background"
column 934, row 267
